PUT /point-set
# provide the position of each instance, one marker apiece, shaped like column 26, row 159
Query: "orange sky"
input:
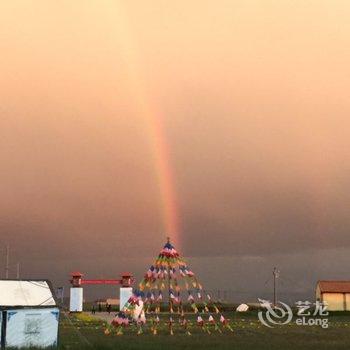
column 226, row 122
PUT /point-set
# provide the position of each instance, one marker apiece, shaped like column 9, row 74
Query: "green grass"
column 84, row 332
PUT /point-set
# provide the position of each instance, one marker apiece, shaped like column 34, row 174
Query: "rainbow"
column 146, row 109
column 165, row 180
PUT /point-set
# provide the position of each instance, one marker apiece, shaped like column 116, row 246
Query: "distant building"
column 335, row 293
column 109, row 301
column 29, row 315
column 112, row 301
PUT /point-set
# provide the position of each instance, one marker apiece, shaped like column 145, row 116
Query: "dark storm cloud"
column 254, row 105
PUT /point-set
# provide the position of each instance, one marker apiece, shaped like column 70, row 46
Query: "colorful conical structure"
column 167, row 296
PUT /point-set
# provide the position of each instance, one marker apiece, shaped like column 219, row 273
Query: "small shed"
column 29, row 315
column 335, row 293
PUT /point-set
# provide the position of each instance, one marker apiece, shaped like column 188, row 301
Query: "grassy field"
column 85, row 332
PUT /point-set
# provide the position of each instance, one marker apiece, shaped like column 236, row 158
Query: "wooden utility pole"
column 275, row 273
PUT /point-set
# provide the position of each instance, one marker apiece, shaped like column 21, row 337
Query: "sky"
column 222, row 124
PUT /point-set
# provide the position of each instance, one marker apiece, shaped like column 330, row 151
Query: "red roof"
column 76, row 274
column 334, row 286
column 126, row 274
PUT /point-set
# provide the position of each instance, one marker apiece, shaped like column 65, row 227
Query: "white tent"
column 29, row 314
column 242, row 308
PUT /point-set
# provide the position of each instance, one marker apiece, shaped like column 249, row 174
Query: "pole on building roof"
column 7, row 262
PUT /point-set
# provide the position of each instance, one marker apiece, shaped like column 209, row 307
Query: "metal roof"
column 334, row 286
column 26, row 293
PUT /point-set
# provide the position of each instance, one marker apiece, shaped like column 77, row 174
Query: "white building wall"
column 31, row 327
column 335, row 301
column 347, row 299
column 76, row 299
column 125, row 294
